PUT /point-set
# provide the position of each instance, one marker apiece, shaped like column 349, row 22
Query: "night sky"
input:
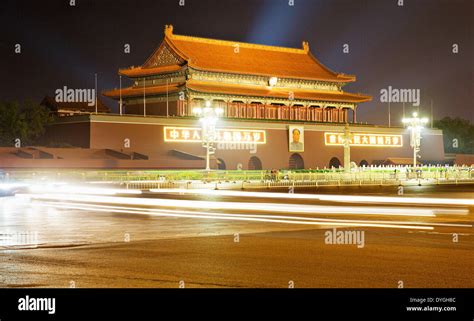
column 402, row 47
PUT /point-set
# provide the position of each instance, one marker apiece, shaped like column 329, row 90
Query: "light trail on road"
column 79, row 189
column 218, row 205
column 336, row 221
column 326, row 197
column 240, row 217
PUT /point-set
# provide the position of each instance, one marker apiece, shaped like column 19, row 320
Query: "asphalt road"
column 168, row 239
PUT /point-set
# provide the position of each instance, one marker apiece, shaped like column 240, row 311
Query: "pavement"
column 172, row 239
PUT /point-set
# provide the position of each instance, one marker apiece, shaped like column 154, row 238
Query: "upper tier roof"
column 239, row 90
column 241, row 58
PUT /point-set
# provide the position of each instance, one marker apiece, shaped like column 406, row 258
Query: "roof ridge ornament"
column 306, row 46
column 169, row 30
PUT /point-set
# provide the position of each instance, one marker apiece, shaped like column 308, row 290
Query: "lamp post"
column 208, row 117
column 415, row 124
column 346, row 139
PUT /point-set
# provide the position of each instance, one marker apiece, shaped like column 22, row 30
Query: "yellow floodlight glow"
column 272, row 81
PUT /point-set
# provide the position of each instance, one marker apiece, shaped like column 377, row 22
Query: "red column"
column 354, row 115
column 181, row 109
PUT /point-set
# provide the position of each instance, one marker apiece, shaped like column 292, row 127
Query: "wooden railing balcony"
column 275, row 112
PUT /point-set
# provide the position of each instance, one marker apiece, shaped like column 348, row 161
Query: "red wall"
column 95, row 133
column 74, row 134
column 148, row 139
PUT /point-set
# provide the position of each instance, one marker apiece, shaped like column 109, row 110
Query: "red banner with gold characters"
column 365, row 139
column 193, row 135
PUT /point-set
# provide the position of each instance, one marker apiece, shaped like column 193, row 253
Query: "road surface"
column 168, row 238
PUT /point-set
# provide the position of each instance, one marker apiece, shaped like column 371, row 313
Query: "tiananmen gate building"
column 281, row 108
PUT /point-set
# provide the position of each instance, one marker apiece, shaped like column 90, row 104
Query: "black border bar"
column 239, row 304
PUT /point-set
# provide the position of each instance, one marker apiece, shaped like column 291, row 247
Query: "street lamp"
column 208, row 117
column 415, row 124
column 346, row 140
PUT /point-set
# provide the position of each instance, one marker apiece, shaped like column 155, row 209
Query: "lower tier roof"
column 239, row 90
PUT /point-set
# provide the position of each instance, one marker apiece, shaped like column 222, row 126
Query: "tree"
column 458, row 135
column 25, row 122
